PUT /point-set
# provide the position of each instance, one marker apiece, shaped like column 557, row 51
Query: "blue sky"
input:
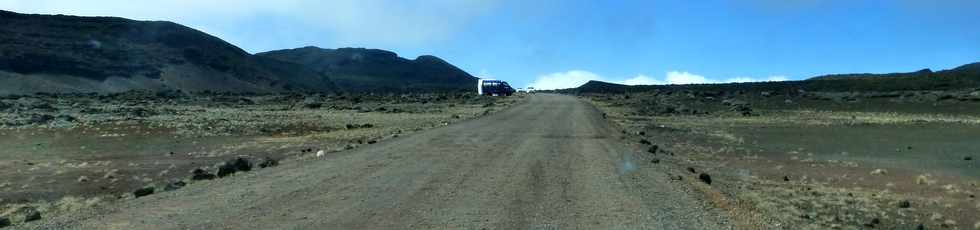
column 553, row 44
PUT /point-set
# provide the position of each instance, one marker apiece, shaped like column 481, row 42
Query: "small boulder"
column 144, row 191
column 691, row 169
column 174, row 185
column 241, row 164
column 645, row 142
column 201, row 174
column 785, row 178
column 904, row 204
column 225, row 169
column 968, row 158
column 26, row 214
column 4, row 222
column 704, row 177
column 268, row 162
column 653, row 149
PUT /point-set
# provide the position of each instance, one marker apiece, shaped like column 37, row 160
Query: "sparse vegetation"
column 814, row 156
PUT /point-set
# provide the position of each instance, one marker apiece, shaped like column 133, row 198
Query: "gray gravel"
column 551, row 163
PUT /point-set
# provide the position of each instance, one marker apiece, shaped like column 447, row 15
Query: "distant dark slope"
column 56, row 53
column 373, row 70
column 963, row 77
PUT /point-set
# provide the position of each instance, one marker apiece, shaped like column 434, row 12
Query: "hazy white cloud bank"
column 373, row 22
column 575, row 78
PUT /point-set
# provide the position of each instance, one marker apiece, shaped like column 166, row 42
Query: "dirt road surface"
column 550, row 163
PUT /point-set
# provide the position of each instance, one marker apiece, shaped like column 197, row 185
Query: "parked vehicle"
column 491, row 87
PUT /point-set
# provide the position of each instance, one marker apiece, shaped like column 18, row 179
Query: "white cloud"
column 750, row 79
column 377, row 23
column 575, row 78
column 641, row 80
column 679, row 78
column 778, row 78
column 564, row 80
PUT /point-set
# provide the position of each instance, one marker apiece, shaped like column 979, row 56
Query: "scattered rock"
column 642, row 133
column 676, row 177
column 968, row 158
column 174, row 185
column 655, row 161
column 144, row 191
column 4, row 222
column 704, row 177
column 241, row 164
column 201, row 174
column 949, row 223
column 225, row 169
column 371, row 142
column 268, row 162
column 645, row 142
column 904, row 204
column 879, row 172
column 26, row 214
column 785, row 178
column 691, row 169
column 83, row 179
column 924, row 179
column 40, row 118
column 653, row 149
column 936, row 216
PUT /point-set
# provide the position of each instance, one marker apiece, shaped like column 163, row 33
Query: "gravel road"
column 550, row 163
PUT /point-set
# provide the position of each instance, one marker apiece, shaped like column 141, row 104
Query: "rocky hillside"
column 59, row 54
column 373, row 70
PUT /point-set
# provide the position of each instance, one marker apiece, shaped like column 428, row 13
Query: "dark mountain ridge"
column 74, row 54
column 64, row 54
column 360, row 69
column 962, row 77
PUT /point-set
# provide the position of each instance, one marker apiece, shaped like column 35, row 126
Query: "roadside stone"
column 704, row 177
column 225, row 169
column 904, row 204
column 201, row 174
column 268, row 162
column 144, row 191
column 174, row 185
